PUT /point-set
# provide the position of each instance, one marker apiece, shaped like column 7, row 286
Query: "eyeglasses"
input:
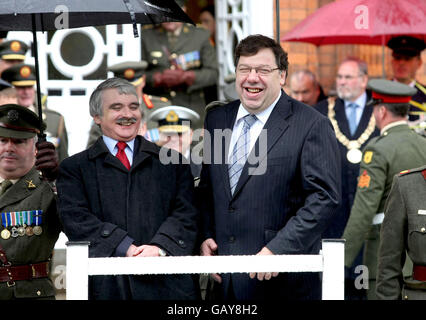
column 340, row 77
column 262, row 70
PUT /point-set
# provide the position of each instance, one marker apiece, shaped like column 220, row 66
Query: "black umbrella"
column 44, row 15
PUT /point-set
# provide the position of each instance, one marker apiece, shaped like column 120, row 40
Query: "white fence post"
column 77, row 270
column 333, row 277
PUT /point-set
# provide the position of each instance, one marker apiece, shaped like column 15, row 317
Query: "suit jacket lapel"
column 342, row 120
column 21, row 189
column 274, row 128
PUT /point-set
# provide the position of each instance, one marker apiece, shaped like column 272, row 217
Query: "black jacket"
column 102, row 202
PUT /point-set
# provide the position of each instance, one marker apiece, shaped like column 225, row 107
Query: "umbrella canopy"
column 361, row 22
column 43, row 15
column 16, row 15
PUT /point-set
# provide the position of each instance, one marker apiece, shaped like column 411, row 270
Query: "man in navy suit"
column 354, row 126
column 279, row 200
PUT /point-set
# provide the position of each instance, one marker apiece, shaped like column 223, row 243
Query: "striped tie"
column 240, row 152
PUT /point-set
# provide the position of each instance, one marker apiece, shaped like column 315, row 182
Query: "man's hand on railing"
column 263, row 275
column 145, row 251
column 209, row 248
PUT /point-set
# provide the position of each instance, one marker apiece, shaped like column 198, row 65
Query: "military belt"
column 10, row 274
column 378, row 218
column 419, row 273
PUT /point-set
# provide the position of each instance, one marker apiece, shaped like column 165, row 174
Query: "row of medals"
column 354, row 154
column 21, row 231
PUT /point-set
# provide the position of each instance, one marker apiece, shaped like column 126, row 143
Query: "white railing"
column 330, row 261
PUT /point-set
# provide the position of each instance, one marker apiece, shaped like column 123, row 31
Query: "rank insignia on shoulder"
column 30, row 185
column 368, row 156
column 364, row 180
column 424, row 174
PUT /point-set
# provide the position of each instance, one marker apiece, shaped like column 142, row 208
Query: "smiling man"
column 119, row 196
column 285, row 209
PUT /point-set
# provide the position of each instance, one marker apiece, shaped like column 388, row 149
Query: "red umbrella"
column 361, row 22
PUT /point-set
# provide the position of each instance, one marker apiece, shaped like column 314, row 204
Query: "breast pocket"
column 417, row 233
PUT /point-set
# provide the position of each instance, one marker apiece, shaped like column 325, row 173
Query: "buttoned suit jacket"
column 286, row 208
column 102, row 202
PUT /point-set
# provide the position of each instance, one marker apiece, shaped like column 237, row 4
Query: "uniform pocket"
column 416, row 232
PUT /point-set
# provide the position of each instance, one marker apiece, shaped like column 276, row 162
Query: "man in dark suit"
column 120, row 196
column 352, row 135
column 280, row 201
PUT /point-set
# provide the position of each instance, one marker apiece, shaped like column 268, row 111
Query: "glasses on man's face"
column 262, row 70
column 346, row 77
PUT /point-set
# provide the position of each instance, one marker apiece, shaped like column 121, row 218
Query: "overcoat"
column 103, row 202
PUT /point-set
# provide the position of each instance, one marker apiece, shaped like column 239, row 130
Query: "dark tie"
column 352, row 118
column 4, row 186
column 240, row 152
column 121, row 155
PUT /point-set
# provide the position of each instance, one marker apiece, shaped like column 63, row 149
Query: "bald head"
column 304, row 87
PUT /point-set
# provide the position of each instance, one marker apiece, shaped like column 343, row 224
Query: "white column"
column 333, row 277
column 261, row 17
column 77, row 270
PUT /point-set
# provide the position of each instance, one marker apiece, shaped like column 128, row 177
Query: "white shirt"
column 112, row 147
column 361, row 101
column 255, row 129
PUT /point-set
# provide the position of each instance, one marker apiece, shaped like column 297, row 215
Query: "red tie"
column 121, row 155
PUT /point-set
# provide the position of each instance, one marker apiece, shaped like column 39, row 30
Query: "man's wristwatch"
column 161, row 252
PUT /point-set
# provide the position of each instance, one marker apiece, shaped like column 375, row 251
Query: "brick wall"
column 324, row 60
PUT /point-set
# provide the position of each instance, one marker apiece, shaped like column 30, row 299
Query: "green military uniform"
column 56, row 131
column 30, row 224
column 397, row 148
column 190, row 51
column 403, row 230
column 23, row 75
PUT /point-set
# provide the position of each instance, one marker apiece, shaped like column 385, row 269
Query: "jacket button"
column 423, row 229
column 38, row 293
column 181, row 242
column 231, row 239
column 106, row 233
column 231, row 209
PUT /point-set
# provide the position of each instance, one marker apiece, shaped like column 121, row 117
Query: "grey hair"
column 362, row 65
column 123, row 87
column 298, row 74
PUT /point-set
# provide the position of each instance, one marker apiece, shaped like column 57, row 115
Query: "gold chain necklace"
column 354, row 154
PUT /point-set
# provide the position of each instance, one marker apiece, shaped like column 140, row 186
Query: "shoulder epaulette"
column 408, row 171
column 420, row 87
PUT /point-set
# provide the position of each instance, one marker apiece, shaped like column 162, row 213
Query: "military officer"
column 397, row 148
column 176, row 132
column 181, row 63
column 133, row 71
column 22, row 77
column 12, row 52
column 403, row 231
column 406, row 60
column 29, row 222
